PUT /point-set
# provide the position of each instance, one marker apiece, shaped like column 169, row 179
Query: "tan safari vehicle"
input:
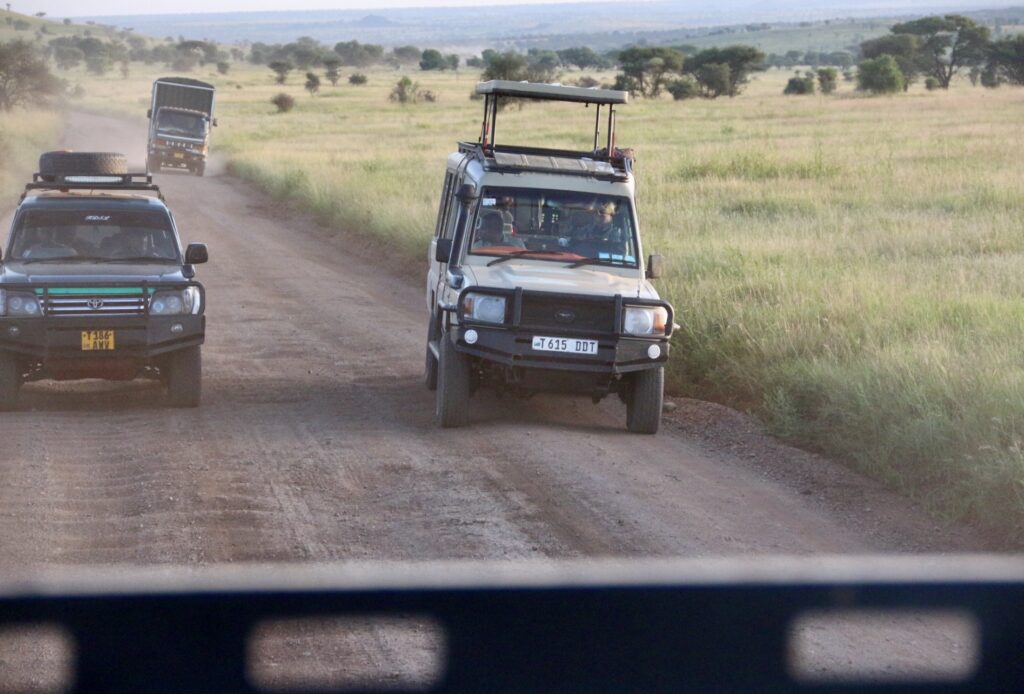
column 537, row 277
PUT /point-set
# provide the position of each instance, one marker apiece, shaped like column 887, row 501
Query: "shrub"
column 684, row 88
column 931, row 84
column 800, row 85
column 357, row 79
column 281, row 69
column 406, row 91
column 284, row 102
column 312, row 83
column 587, row 82
column 223, row 67
column 880, row 75
column 828, row 78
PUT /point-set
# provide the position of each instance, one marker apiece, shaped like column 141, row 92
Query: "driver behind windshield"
column 187, row 124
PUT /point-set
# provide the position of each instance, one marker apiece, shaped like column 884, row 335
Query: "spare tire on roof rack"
column 55, row 164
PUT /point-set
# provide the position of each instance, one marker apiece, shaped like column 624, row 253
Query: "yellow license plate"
column 97, row 340
column 179, row 155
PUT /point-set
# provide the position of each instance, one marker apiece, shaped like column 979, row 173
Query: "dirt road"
column 315, row 440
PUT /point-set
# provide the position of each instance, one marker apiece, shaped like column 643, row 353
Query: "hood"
column 13, row 272
column 545, row 276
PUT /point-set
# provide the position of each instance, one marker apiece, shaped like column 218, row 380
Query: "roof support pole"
column 597, row 127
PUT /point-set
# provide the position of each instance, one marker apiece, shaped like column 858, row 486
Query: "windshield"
column 184, row 124
column 91, row 235
column 554, row 225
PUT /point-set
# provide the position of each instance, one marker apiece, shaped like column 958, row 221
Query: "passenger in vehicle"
column 45, row 242
column 492, row 233
column 598, row 224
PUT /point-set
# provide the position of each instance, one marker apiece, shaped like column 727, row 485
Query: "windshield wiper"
column 595, row 261
column 519, row 254
column 141, row 259
column 64, row 259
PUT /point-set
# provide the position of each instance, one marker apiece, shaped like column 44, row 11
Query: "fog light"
column 471, row 337
column 14, row 331
column 654, row 351
column 177, row 328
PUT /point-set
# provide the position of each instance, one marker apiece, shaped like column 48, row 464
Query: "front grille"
column 568, row 313
column 86, row 305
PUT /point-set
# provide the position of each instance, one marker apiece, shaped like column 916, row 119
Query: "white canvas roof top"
column 551, row 92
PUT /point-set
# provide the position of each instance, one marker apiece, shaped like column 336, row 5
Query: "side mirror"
column 1, row 255
column 149, row 113
column 443, row 252
column 655, row 266
column 215, row 122
column 196, row 254
column 466, row 193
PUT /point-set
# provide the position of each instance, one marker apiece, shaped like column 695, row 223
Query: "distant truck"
column 180, row 117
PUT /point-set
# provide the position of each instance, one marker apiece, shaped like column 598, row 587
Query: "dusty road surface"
column 315, row 439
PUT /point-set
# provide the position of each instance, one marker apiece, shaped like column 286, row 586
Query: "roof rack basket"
column 496, row 90
column 141, row 182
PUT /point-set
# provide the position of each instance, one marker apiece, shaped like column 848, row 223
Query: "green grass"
column 850, row 269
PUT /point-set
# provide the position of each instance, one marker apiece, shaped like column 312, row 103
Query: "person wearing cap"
column 600, row 223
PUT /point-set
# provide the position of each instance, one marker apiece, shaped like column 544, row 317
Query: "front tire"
column 453, row 382
column 10, row 382
column 185, row 377
column 153, row 165
column 646, row 400
column 200, row 169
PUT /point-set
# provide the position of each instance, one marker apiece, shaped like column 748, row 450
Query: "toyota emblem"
column 95, row 304
column 565, row 316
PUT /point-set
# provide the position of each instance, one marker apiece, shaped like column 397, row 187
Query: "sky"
column 96, row 8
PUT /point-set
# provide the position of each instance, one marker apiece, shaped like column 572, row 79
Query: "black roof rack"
column 139, row 182
column 519, row 159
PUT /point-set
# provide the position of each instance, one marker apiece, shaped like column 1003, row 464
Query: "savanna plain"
column 848, row 268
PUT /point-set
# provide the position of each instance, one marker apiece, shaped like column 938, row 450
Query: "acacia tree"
column 24, row 76
column 281, row 68
column 312, row 83
column 725, row 71
column 649, row 68
column 332, row 70
column 948, row 44
column 1006, row 61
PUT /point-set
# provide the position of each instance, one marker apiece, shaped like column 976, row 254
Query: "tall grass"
column 23, row 135
column 850, row 269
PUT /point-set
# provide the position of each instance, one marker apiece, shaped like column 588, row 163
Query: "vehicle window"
column 93, row 235
column 556, row 225
column 184, row 124
column 443, row 207
column 452, row 212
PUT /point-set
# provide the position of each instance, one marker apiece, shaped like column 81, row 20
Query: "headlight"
column 175, row 302
column 486, row 308
column 645, row 320
column 19, row 304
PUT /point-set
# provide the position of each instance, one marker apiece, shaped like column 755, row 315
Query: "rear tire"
column 453, row 381
column 54, row 164
column 646, row 400
column 430, row 369
column 185, row 377
column 10, row 382
column 200, row 169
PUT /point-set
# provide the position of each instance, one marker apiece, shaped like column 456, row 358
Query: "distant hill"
column 552, row 25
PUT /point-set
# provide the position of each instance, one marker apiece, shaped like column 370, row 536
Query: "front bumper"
column 135, row 337
column 169, row 156
column 511, row 343
column 513, row 347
